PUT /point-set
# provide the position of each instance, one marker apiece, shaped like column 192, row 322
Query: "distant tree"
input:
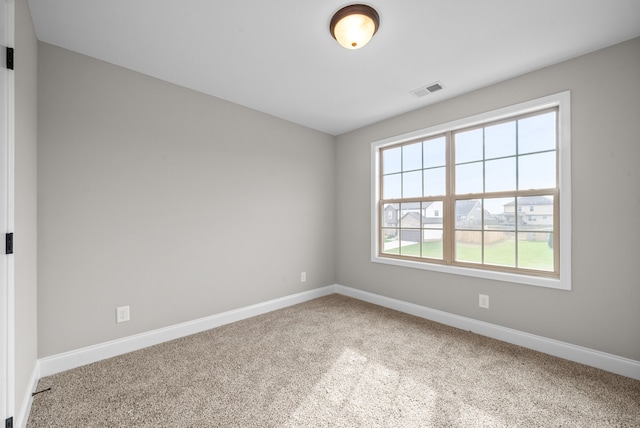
column 550, row 240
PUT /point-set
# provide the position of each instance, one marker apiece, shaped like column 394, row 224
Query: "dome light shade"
column 353, row 26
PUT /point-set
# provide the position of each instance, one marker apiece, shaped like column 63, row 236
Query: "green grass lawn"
column 531, row 254
column 429, row 249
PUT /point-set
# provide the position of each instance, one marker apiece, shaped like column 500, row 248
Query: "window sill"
column 563, row 283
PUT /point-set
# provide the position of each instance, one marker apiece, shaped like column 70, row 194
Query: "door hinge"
column 8, row 423
column 8, row 243
column 9, row 58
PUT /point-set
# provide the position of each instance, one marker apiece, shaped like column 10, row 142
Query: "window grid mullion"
column 516, row 226
column 484, row 191
column 449, row 220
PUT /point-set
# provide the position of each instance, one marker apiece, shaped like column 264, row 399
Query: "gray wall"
column 176, row 203
column 603, row 310
column 25, row 209
column 182, row 205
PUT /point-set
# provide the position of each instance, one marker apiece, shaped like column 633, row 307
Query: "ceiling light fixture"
column 353, row 26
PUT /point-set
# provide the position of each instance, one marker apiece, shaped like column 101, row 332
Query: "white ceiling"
column 277, row 56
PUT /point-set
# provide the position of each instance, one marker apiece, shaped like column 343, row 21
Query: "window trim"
column 560, row 100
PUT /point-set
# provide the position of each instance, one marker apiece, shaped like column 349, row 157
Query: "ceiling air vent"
column 426, row 90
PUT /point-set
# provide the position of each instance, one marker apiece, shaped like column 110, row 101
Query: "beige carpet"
column 336, row 362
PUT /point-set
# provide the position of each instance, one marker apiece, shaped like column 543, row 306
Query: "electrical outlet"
column 303, row 277
column 483, row 301
column 122, row 314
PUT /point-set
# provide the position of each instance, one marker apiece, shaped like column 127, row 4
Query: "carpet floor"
column 336, row 362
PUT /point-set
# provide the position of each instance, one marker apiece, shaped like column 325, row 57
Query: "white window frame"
column 560, row 100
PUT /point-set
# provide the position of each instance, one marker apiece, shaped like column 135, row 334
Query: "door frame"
column 7, row 123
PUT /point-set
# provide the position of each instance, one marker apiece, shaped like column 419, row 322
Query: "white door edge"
column 7, row 387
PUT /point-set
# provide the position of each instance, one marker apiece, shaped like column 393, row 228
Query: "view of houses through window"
column 484, row 196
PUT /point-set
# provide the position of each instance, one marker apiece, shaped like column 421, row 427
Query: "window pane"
column 410, row 223
column 410, row 242
column 535, row 250
column 412, row 184
column 537, row 171
column 435, row 181
column 536, row 213
column 499, row 214
column 500, row 248
column 500, row 140
column 432, row 244
column 432, row 215
column 409, row 207
column 391, row 186
column 468, row 246
column 468, row 214
column 412, row 157
column 390, row 241
column 391, row 160
column 469, row 178
column 432, row 229
column 433, row 210
column 410, row 215
column 434, row 152
column 468, row 146
column 389, row 215
column 537, row 133
column 500, row 175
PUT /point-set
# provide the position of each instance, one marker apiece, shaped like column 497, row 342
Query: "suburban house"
column 469, row 213
column 127, row 190
column 422, row 226
column 390, row 215
column 533, row 211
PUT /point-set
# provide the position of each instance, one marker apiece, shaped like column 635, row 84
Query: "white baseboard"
column 21, row 419
column 601, row 360
column 69, row 360
column 80, row 357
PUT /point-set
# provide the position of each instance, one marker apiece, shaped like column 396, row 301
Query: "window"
column 460, row 191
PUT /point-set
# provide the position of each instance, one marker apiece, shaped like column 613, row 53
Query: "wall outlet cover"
column 483, row 301
column 122, row 314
